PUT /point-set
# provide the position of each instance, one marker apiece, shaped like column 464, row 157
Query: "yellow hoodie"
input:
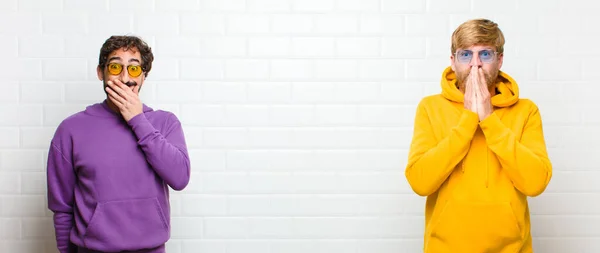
column 477, row 175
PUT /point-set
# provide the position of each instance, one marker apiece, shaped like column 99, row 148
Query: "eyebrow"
column 119, row 58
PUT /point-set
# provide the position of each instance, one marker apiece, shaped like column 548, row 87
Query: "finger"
column 120, row 89
column 483, row 83
column 118, row 100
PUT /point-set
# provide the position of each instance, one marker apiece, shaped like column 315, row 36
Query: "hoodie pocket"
column 476, row 227
column 127, row 225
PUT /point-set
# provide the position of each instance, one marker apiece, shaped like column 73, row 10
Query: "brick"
column 178, row 5
column 178, row 92
column 64, row 69
column 94, row 7
column 358, row 5
column 37, row 228
column 54, row 114
column 292, row 115
column 21, row 69
column 86, row 92
column 10, row 229
column 268, row 6
column 246, row 246
column 9, row 6
column 313, row 46
column 392, row 6
column 292, row 23
column 381, row 69
column 212, row 115
column 204, row 205
column 246, row 115
column 223, row 46
column 32, row 5
column 428, row 24
column 292, row 69
column 206, row 69
column 225, row 137
column 25, row 206
column 336, row 69
column 250, row 69
column 21, row 115
column 269, row 46
column 270, row 138
column 332, row 115
column 226, row 228
column 269, row 92
column 336, row 24
column 165, row 69
column 312, row 5
column 28, row 24
column 36, row 137
column 215, row 246
column 425, row 70
column 247, row 24
column 187, row 227
column 208, row 160
column 9, row 46
column 65, row 23
column 382, row 24
column 9, row 137
column 223, row 5
column 136, row 6
column 225, row 92
column 10, row 92
column 34, row 182
column 9, row 183
column 358, row 47
column 443, row 7
column 403, row 47
column 208, row 23
column 156, row 24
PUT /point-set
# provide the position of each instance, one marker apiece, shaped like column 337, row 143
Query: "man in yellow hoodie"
column 478, row 151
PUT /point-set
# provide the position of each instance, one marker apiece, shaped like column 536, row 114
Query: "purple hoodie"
column 108, row 179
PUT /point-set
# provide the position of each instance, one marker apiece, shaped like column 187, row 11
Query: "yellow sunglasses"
column 117, row 68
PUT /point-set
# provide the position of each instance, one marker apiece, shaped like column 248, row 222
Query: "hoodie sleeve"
column 165, row 151
column 430, row 161
column 61, row 187
column 525, row 160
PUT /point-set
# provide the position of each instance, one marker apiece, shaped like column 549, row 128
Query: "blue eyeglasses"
column 465, row 56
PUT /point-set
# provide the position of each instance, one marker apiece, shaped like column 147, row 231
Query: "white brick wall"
column 298, row 113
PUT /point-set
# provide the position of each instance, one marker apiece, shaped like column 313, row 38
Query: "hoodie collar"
column 102, row 110
column 507, row 95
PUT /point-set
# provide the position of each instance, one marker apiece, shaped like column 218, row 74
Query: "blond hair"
column 477, row 32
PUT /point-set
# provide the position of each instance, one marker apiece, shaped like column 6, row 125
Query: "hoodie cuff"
column 141, row 126
column 469, row 121
column 492, row 127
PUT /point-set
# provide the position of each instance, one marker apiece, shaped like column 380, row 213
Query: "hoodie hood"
column 507, row 90
column 102, row 110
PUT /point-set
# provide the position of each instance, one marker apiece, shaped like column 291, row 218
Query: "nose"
column 125, row 76
column 475, row 61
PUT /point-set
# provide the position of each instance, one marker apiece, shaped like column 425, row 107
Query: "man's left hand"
column 484, row 103
column 124, row 98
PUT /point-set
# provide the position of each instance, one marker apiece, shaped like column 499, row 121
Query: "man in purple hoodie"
column 110, row 166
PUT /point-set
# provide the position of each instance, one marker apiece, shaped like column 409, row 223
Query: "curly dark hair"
column 127, row 42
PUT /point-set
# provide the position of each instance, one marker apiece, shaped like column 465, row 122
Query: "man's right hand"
column 470, row 98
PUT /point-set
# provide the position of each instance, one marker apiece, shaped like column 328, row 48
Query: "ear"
column 99, row 73
column 452, row 63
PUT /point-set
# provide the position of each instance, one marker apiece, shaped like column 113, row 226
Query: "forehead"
column 125, row 54
column 478, row 47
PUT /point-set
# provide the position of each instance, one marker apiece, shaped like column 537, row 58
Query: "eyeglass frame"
column 495, row 55
column 125, row 67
